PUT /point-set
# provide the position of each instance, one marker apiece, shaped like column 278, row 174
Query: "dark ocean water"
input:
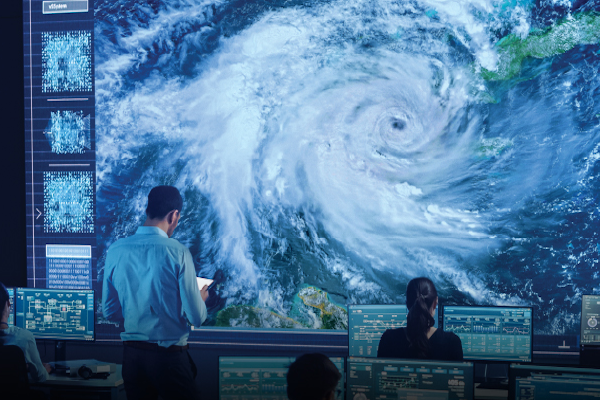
column 354, row 145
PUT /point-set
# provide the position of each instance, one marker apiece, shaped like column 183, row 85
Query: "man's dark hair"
column 311, row 376
column 162, row 200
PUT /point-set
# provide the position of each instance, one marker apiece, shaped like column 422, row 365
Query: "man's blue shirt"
column 150, row 285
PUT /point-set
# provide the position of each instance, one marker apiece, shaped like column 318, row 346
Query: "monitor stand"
column 491, row 376
column 60, row 352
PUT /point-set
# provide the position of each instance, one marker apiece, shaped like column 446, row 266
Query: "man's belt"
column 154, row 346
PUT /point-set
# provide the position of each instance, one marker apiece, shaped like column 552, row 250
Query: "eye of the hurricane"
column 398, row 124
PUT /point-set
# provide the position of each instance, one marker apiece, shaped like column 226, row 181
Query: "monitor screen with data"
column 590, row 319
column 262, row 378
column 375, row 379
column 56, row 314
column 491, row 333
column 537, row 382
column 366, row 324
column 11, row 313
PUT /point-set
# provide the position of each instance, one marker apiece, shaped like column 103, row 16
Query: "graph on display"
column 491, row 333
column 260, row 378
column 56, row 314
column 390, row 384
column 236, row 389
column 367, row 323
column 516, row 330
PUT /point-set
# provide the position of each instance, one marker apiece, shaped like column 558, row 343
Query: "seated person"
column 420, row 339
column 312, row 376
column 12, row 335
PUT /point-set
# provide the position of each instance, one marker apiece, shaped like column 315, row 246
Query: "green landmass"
column 253, row 317
column 580, row 29
column 492, row 147
column 332, row 315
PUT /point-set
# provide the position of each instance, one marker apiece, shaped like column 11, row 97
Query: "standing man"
column 150, row 285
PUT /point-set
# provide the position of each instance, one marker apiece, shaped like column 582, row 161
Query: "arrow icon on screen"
column 39, row 213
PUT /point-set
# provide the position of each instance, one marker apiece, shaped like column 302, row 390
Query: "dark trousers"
column 149, row 373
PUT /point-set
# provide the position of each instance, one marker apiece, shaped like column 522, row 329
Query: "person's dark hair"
column 420, row 296
column 162, row 200
column 3, row 299
column 311, row 376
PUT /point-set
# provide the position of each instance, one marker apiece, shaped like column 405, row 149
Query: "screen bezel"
column 495, row 361
column 37, row 336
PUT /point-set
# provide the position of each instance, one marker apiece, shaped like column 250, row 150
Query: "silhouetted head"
column 312, row 377
column 162, row 200
column 164, row 208
column 4, row 310
column 4, row 302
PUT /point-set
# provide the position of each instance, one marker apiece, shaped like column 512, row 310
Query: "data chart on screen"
column 590, row 319
column 491, row 333
column 56, row 314
column 367, row 323
column 378, row 379
column 261, row 378
column 544, row 382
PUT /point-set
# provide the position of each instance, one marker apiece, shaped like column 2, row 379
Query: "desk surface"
column 115, row 379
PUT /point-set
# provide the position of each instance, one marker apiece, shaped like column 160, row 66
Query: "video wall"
column 327, row 151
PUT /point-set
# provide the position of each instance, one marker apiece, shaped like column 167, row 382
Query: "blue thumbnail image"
column 68, row 132
column 68, row 202
column 66, row 61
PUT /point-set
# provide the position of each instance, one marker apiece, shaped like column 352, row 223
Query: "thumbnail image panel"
column 68, row 202
column 68, row 132
column 66, row 61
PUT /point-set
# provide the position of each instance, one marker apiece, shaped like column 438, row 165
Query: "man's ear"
column 171, row 216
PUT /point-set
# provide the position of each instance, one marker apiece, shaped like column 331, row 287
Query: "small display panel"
column 11, row 313
column 377, row 379
column 491, row 333
column 590, row 319
column 537, row 382
column 56, row 314
column 366, row 324
column 261, row 378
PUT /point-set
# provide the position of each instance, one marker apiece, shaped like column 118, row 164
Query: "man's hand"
column 204, row 293
column 48, row 367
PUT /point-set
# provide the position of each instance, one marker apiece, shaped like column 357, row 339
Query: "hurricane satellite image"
column 330, row 151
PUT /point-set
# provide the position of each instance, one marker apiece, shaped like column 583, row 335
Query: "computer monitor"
column 543, row 382
column 11, row 313
column 491, row 333
column 380, row 378
column 366, row 324
column 262, row 378
column 590, row 319
column 56, row 314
